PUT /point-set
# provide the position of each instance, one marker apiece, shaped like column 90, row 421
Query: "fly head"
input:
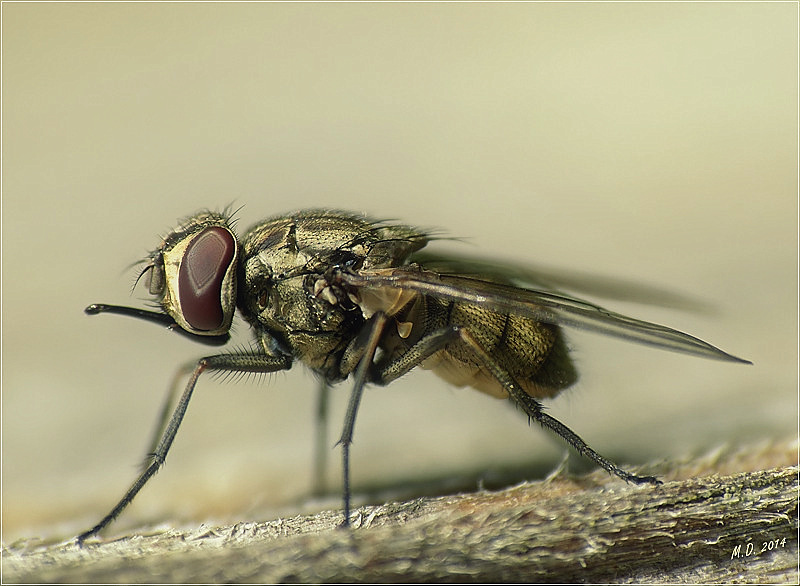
column 193, row 274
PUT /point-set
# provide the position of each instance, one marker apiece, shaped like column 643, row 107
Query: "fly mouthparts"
column 145, row 314
column 157, row 317
column 93, row 309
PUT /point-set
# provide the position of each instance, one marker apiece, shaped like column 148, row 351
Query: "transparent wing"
column 554, row 279
column 544, row 306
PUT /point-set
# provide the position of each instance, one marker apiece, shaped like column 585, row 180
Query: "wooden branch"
column 739, row 527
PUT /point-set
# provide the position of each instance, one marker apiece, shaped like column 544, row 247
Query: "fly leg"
column 435, row 341
column 167, row 408
column 535, row 411
column 424, row 348
column 321, row 439
column 373, row 328
column 221, row 363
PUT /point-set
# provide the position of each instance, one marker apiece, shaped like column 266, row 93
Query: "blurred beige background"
column 653, row 142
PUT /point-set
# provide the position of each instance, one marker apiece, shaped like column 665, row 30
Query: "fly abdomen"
column 533, row 353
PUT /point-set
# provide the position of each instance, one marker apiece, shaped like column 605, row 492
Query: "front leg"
column 221, row 363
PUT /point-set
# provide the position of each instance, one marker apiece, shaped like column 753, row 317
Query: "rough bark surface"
column 704, row 524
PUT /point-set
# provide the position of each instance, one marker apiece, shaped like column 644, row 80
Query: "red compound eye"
column 202, row 270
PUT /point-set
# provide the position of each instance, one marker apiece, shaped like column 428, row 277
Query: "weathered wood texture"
column 718, row 527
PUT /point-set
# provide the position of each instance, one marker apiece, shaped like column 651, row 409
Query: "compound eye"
column 200, row 277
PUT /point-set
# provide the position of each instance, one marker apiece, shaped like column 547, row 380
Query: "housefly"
column 351, row 297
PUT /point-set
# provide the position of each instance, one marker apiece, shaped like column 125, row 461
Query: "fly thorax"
column 298, row 308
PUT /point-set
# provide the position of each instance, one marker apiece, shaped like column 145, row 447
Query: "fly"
column 352, row 297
